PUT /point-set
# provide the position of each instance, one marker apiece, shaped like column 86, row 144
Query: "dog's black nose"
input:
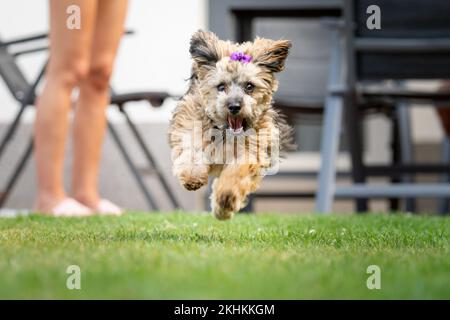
column 234, row 107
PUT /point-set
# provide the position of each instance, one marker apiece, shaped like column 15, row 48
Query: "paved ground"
column 115, row 180
column 117, row 183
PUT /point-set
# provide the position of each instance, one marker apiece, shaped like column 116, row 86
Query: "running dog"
column 225, row 125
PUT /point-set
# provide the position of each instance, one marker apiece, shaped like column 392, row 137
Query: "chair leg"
column 331, row 130
column 151, row 161
column 16, row 173
column 394, row 203
column 11, row 129
column 132, row 167
column 27, row 100
column 354, row 134
column 406, row 148
column 443, row 206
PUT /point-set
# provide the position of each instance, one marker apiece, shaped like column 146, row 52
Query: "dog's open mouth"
column 236, row 124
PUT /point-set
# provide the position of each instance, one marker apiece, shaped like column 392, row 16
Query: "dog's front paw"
column 225, row 204
column 222, row 214
column 228, row 201
column 193, row 179
column 194, row 183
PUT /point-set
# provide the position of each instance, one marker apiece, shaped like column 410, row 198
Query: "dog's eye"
column 249, row 87
column 221, row 87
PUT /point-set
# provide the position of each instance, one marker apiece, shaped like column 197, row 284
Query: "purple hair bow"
column 240, row 56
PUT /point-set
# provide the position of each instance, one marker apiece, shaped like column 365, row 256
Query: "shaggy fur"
column 229, row 98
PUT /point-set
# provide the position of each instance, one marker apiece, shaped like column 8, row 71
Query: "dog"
column 230, row 94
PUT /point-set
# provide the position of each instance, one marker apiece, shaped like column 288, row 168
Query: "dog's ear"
column 204, row 48
column 273, row 55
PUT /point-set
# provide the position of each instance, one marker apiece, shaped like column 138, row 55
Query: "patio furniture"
column 25, row 94
column 302, row 92
column 413, row 43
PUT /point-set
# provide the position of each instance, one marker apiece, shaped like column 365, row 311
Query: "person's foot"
column 66, row 207
column 106, row 207
column 99, row 206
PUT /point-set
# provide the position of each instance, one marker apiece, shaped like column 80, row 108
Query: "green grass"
column 183, row 256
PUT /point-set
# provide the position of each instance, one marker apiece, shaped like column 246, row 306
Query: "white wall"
column 155, row 58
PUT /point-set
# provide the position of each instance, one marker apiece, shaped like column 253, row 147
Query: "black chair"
column 413, row 43
column 24, row 93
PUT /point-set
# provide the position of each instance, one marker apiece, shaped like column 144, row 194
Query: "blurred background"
column 156, row 58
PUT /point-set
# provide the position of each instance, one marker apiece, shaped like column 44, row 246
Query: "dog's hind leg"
column 231, row 188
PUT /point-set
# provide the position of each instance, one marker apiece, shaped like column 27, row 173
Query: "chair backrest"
column 412, row 43
column 303, row 82
column 11, row 74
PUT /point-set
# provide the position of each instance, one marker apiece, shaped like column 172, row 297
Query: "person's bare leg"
column 68, row 64
column 90, row 118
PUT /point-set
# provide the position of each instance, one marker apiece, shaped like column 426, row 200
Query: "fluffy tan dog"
column 225, row 125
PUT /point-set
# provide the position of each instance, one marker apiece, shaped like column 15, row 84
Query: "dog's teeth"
column 237, row 131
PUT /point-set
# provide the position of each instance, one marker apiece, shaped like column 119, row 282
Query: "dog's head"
column 236, row 81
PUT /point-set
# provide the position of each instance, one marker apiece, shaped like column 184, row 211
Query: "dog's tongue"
column 235, row 123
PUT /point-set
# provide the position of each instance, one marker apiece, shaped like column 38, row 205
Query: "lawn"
column 185, row 256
